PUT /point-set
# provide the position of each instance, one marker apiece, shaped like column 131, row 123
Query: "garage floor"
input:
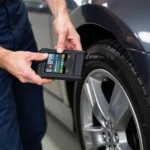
column 58, row 137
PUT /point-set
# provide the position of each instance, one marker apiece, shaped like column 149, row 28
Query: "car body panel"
column 122, row 18
column 135, row 15
column 93, row 14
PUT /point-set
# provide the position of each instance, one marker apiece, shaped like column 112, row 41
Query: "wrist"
column 63, row 13
column 4, row 53
column 63, row 17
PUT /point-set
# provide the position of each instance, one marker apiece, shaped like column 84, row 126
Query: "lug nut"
column 106, row 123
column 116, row 138
column 110, row 148
column 104, row 136
column 111, row 126
column 114, row 147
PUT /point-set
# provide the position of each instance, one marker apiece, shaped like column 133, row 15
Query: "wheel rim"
column 113, row 114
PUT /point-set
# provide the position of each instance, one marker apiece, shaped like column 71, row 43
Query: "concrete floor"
column 58, row 137
column 49, row 144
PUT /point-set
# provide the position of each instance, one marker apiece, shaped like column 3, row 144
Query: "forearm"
column 3, row 54
column 58, row 7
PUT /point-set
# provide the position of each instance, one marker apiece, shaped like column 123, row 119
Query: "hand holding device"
column 19, row 65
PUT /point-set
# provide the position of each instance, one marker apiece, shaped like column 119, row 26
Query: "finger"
column 32, row 77
column 42, row 81
column 46, row 81
column 30, row 80
column 76, row 43
column 69, row 45
column 78, row 47
column 38, row 56
column 38, row 80
column 61, row 42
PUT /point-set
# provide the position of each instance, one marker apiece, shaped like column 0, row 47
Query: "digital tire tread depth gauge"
column 64, row 66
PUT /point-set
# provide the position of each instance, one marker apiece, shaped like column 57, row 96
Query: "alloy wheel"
column 106, row 114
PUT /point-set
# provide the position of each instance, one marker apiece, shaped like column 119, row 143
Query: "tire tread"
column 120, row 51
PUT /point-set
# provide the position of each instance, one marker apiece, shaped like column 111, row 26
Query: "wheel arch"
column 91, row 33
column 102, row 18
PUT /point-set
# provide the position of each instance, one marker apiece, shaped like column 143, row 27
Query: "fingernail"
column 45, row 55
column 59, row 50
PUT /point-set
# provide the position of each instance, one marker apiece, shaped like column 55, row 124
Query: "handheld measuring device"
column 66, row 66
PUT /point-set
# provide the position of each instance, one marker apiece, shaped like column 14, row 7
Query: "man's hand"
column 19, row 64
column 68, row 37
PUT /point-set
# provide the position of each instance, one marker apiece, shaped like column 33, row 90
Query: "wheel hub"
column 110, row 136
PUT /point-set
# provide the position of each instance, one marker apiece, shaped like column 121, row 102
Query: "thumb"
column 61, row 42
column 38, row 56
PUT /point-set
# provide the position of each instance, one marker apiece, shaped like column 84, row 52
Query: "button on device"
column 68, row 64
column 50, row 66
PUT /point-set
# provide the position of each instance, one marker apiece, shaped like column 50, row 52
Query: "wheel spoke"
column 119, row 110
column 86, row 113
column 123, row 146
column 93, row 138
column 97, row 99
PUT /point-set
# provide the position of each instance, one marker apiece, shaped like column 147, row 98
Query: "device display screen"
column 55, row 63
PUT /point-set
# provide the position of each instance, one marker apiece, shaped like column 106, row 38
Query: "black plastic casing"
column 74, row 65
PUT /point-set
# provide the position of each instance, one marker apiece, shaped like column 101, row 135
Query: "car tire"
column 100, row 131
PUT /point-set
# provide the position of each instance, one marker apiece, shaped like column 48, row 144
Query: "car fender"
column 99, row 15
